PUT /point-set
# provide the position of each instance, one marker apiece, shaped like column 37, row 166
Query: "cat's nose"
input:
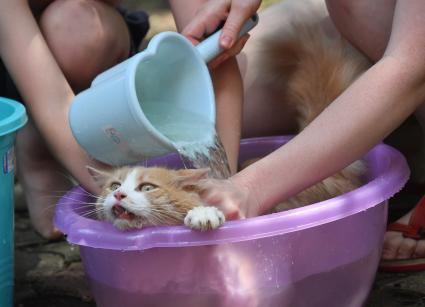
column 119, row 195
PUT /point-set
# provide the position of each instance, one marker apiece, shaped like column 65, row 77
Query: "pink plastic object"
column 325, row 254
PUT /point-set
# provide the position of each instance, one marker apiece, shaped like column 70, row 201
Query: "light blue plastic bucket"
column 12, row 117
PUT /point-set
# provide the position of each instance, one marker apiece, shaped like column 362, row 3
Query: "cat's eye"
column 114, row 186
column 146, row 187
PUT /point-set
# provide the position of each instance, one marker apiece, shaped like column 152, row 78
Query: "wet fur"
column 168, row 204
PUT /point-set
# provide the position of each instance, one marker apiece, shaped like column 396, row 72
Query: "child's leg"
column 42, row 178
column 86, row 37
column 396, row 246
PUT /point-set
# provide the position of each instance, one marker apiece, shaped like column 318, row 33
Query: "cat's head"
column 134, row 197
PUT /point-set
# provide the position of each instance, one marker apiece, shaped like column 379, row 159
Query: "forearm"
column 229, row 99
column 362, row 116
column 33, row 68
column 41, row 84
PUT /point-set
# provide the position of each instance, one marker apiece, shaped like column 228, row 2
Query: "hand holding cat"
column 236, row 202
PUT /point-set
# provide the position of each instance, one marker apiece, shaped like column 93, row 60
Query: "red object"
column 414, row 230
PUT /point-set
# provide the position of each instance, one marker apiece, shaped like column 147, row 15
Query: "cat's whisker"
column 78, row 201
column 92, row 212
column 90, row 194
column 159, row 219
column 48, row 208
column 53, row 206
column 76, row 192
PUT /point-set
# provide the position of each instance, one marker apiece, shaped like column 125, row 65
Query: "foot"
column 398, row 247
column 43, row 181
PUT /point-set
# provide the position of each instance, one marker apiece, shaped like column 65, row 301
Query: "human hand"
column 208, row 18
column 235, row 201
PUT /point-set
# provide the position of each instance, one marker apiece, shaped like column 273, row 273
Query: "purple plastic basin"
column 325, row 254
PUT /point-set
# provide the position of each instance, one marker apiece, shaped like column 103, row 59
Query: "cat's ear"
column 190, row 177
column 99, row 176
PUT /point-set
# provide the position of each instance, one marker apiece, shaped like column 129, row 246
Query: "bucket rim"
column 15, row 120
column 390, row 173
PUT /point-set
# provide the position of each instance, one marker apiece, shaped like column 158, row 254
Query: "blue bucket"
column 12, row 117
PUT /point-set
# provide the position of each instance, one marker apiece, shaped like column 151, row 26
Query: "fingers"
column 234, row 12
column 240, row 11
column 220, row 194
column 198, row 28
column 207, row 20
column 235, row 50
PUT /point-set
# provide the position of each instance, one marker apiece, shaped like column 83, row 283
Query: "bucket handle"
column 209, row 48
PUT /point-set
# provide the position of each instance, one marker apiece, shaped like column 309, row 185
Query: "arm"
column 227, row 86
column 378, row 102
column 42, row 85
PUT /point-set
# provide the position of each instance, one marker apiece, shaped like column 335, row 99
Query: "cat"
column 135, row 197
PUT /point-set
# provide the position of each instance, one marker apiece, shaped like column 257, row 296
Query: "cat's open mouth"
column 120, row 212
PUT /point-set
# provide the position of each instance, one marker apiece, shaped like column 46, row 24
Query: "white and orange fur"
column 135, row 197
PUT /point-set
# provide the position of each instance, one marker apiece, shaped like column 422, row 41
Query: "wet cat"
column 135, row 197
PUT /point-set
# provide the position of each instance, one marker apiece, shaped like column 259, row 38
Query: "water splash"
column 210, row 156
column 193, row 136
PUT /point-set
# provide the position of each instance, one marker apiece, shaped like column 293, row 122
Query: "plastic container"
column 325, row 254
column 12, row 117
column 124, row 116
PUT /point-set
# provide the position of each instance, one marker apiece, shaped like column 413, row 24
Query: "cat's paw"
column 204, row 218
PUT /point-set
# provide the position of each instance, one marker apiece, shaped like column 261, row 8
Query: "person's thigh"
column 266, row 110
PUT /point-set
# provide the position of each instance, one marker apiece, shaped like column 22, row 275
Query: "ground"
column 51, row 273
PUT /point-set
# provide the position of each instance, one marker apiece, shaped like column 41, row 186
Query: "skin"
column 372, row 43
column 52, row 59
column 47, row 82
column 352, row 125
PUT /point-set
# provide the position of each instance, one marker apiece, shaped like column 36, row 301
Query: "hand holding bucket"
column 115, row 120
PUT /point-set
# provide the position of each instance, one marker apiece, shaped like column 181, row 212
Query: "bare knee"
column 366, row 24
column 86, row 37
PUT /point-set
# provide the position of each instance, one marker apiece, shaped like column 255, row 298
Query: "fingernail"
column 226, row 41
